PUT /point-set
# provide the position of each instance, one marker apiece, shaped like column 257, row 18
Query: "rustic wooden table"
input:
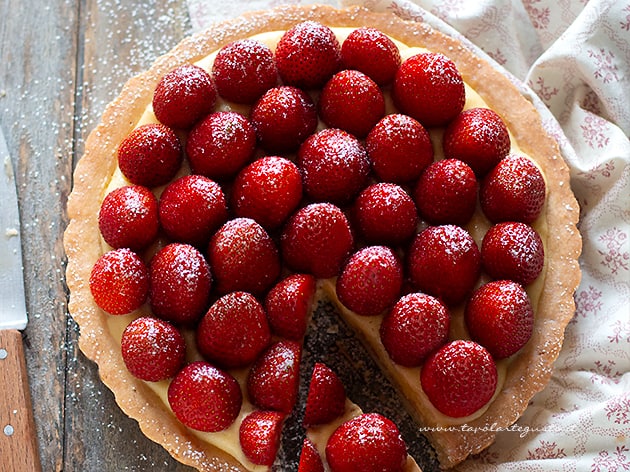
column 61, row 62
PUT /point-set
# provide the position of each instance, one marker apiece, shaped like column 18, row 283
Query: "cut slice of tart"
column 340, row 437
column 214, row 161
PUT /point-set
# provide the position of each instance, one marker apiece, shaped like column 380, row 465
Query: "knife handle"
column 18, row 439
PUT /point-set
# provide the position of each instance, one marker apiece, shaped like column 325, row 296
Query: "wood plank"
column 120, row 40
column 37, row 53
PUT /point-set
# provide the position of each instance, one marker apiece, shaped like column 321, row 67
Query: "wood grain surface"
column 18, row 441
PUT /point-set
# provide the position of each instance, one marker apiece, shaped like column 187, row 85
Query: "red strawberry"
column 184, row 96
column 221, row 144
column 352, row 101
column 284, row 117
column 326, row 398
column 429, row 88
column 334, row 166
column 373, row 53
column 288, row 306
column 478, row 137
column 499, row 316
column 307, row 55
column 205, row 398
column 459, row 378
column 268, row 190
column 385, row 214
column 444, row 261
column 371, row 281
column 129, row 217
column 399, row 148
column 273, row 380
column 180, row 283
column 234, row 331
column 119, row 282
column 310, row 460
column 150, row 155
column 416, row 326
column 317, row 240
column 259, row 435
column 192, row 208
column 243, row 70
column 243, row 257
column 513, row 251
column 368, row 442
column 513, row 191
column 152, row 349
column 446, row 192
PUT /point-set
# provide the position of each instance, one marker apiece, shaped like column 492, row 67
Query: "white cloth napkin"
column 574, row 58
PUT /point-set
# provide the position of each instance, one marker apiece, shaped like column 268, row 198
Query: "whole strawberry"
column 417, row 325
column 191, row 209
column 288, row 305
column 368, row 442
column 234, row 331
column 334, row 166
column 326, row 398
column 317, row 240
column 513, row 191
column 152, row 349
column 351, row 101
column 284, row 117
column 128, row 217
column 243, row 256
column 150, row 155
column 273, row 380
column 259, row 435
column 499, row 316
column 184, row 96
column 446, row 193
column 119, row 282
column 429, row 88
column 268, row 190
column 399, row 148
column 220, row 145
column 513, row 251
column 371, row 52
column 384, row 213
column 459, row 378
column 307, row 55
column 205, row 398
column 243, row 70
column 180, row 283
column 310, row 460
column 479, row 137
column 444, row 261
column 371, row 281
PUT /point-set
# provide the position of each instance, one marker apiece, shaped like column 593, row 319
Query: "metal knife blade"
column 18, row 441
column 12, row 302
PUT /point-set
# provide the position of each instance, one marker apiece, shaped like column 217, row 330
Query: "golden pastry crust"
column 531, row 368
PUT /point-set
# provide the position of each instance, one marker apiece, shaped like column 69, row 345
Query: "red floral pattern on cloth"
column 574, row 57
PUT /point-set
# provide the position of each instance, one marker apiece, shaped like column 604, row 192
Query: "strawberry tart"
column 309, row 155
